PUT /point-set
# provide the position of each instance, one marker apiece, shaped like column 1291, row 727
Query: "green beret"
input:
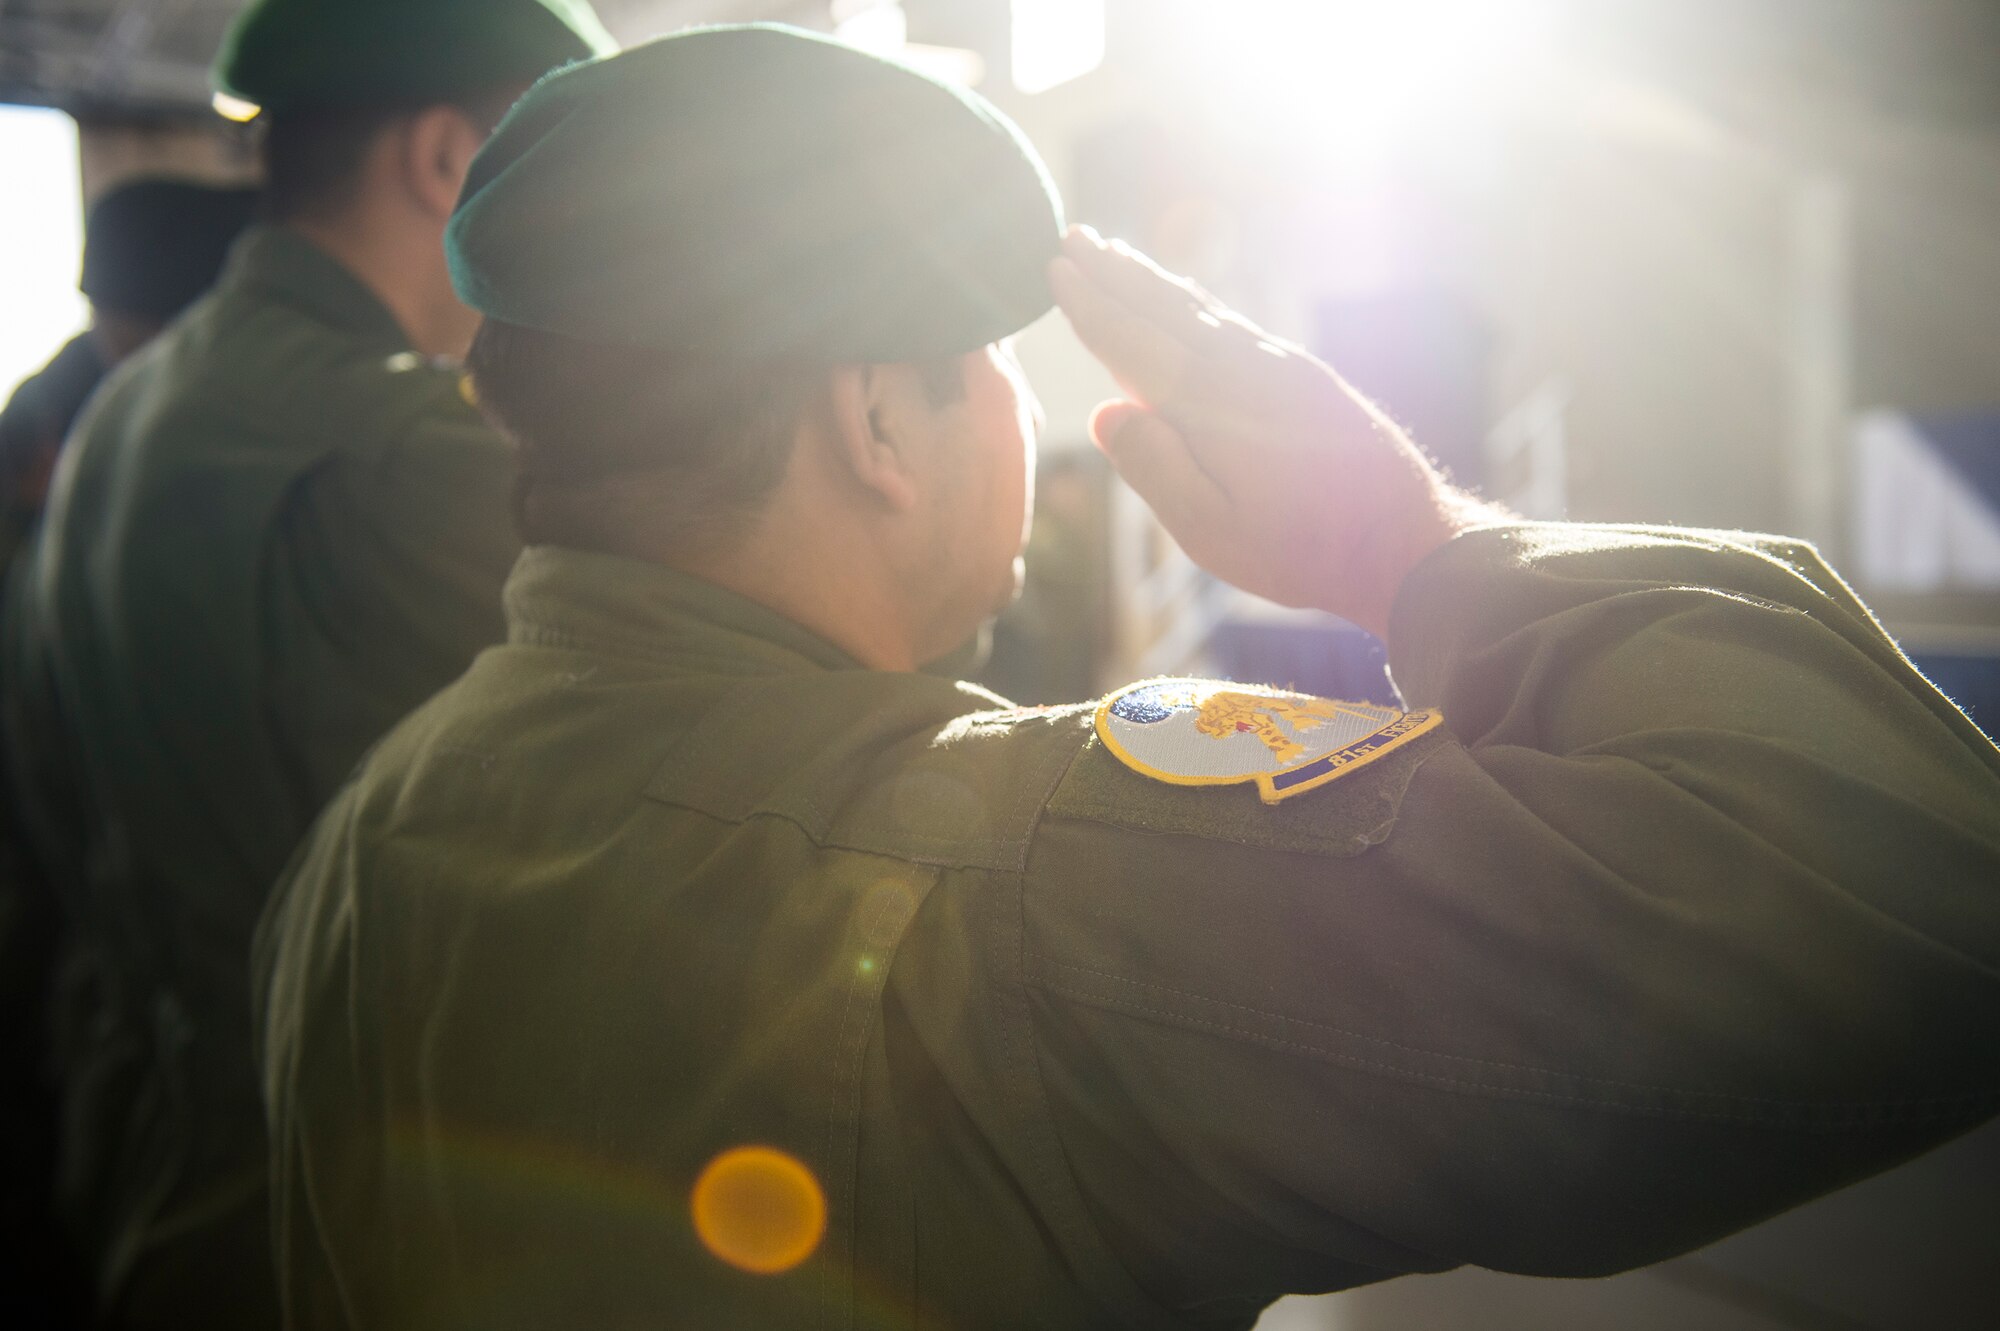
column 757, row 192
column 286, row 55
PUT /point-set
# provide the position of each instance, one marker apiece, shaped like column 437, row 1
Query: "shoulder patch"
column 1195, row 732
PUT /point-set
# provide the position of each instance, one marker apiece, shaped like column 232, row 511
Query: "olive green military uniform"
column 274, row 533
column 280, row 530
column 1687, row 911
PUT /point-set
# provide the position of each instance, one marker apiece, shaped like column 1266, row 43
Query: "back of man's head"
column 625, row 453
column 675, row 246
column 330, row 76
column 151, row 246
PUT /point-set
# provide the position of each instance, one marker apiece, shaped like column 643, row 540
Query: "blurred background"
column 1729, row 263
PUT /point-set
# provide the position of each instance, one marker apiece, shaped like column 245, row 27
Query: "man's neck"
column 832, row 594
column 403, row 267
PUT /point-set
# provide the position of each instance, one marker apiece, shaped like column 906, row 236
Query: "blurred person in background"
column 271, row 536
column 696, row 961
column 149, row 248
column 1047, row 646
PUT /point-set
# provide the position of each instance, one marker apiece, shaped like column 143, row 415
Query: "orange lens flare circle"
column 759, row 1210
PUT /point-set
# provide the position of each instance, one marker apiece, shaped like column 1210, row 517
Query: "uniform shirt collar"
column 284, row 264
column 576, row 598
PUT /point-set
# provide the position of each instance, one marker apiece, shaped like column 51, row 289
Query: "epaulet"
column 434, row 377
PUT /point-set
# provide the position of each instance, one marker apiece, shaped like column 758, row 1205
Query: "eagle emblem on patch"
column 1196, row 732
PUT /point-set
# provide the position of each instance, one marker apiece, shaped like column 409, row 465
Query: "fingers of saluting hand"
column 1155, row 460
column 1166, row 341
column 1147, row 362
column 1174, row 305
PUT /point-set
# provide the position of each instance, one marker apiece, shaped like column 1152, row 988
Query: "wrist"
column 1403, row 541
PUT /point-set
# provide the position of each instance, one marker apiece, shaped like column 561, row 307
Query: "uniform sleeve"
column 1691, row 912
column 393, row 559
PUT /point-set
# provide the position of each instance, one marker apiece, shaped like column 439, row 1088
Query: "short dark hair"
column 630, row 451
column 313, row 156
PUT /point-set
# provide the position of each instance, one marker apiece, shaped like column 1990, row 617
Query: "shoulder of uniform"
column 1067, row 723
column 898, row 764
column 438, row 384
column 422, row 401
column 1247, row 763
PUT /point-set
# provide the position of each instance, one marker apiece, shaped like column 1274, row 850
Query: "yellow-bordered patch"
column 1197, row 732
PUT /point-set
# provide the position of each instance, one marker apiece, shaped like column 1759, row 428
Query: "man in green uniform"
column 694, row 961
column 150, row 247
column 276, row 531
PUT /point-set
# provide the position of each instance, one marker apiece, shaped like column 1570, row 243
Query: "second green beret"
column 286, row 55
column 757, row 192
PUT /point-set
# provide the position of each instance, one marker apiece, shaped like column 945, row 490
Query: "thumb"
column 1155, row 461
column 1112, row 419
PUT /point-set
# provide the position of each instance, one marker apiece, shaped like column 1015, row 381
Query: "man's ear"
column 873, row 431
column 438, row 144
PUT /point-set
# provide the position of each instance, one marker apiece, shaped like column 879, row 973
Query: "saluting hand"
column 1268, row 468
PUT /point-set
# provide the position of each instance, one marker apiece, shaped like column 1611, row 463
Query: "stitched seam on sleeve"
column 1054, row 772
column 864, row 999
